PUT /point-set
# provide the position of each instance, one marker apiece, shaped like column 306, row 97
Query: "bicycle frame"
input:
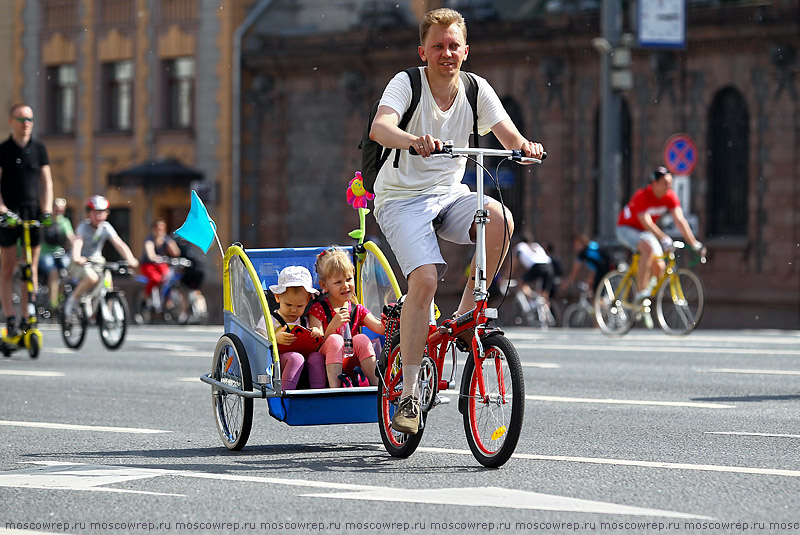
column 442, row 338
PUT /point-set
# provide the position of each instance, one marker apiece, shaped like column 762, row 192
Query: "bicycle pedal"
column 440, row 400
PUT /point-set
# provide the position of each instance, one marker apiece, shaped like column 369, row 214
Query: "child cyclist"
column 340, row 311
column 293, row 292
column 87, row 250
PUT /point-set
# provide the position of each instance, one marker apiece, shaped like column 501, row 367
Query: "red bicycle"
column 492, row 394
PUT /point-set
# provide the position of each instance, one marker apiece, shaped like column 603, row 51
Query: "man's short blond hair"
column 444, row 17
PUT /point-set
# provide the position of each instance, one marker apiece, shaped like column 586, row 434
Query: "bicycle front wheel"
column 680, row 302
column 613, row 303
column 390, row 386
column 493, row 421
column 112, row 318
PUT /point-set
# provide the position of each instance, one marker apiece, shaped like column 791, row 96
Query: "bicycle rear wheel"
column 680, row 302
column 113, row 320
column 577, row 317
column 177, row 306
column 613, row 303
column 493, row 422
column 390, row 366
column 73, row 328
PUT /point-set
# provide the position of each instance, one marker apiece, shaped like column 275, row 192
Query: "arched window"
column 728, row 164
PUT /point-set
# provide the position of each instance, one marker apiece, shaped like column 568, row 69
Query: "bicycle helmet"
column 97, row 202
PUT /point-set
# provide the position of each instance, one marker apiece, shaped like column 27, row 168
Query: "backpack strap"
column 471, row 87
column 415, row 77
column 329, row 314
column 279, row 318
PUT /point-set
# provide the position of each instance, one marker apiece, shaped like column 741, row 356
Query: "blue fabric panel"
column 326, row 409
column 269, row 262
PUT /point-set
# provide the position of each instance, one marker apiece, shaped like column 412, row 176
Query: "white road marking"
column 761, row 338
column 74, row 427
column 754, row 372
column 66, row 476
column 499, row 497
column 656, row 348
column 69, row 476
column 743, row 434
column 694, row 405
column 642, row 464
column 212, row 338
column 32, row 373
column 169, row 347
column 561, row 399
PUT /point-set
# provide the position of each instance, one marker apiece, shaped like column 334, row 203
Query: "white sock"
column 410, row 387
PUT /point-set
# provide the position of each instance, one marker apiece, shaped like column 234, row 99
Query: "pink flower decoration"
column 357, row 196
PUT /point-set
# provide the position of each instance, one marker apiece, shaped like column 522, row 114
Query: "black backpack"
column 373, row 154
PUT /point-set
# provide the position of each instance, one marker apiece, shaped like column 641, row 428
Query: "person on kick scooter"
column 26, row 193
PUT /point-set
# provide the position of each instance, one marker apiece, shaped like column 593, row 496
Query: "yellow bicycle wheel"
column 680, row 302
column 613, row 303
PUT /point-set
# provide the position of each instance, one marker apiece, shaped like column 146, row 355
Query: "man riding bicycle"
column 637, row 228
column 417, row 195
column 87, row 251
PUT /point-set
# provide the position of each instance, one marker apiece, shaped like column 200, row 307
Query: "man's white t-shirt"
column 433, row 176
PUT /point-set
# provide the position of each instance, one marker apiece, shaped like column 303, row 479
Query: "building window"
column 117, row 12
column 62, row 83
column 59, row 15
column 120, row 218
column 728, row 164
column 118, row 96
column 179, row 93
column 171, row 11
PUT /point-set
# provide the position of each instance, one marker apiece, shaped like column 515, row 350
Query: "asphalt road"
column 643, row 434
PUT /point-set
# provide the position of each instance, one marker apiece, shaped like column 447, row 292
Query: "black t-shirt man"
column 19, row 184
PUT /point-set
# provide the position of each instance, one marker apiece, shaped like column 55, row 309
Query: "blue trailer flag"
column 198, row 228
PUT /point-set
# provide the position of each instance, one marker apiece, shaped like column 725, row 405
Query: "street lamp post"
column 610, row 163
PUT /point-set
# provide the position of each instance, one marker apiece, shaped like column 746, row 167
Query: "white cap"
column 293, row 276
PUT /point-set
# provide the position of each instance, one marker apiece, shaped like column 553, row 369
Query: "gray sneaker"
column 406, row 417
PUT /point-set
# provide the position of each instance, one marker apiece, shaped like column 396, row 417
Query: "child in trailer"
column 340, row 316
column 297, row 344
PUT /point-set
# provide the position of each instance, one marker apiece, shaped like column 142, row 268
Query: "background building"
column 268, row 100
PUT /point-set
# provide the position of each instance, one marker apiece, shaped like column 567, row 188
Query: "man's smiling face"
column 444, row 50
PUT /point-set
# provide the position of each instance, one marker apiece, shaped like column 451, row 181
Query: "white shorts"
column 630, row 237
column 408, row 227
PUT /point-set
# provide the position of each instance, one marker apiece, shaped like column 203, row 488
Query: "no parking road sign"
column 680, row 155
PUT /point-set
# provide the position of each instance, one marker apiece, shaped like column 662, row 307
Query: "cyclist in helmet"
column 87, row 251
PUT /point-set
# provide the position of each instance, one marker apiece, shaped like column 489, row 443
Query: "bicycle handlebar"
column 453, row 152
column 174, row 261
column 701, row 254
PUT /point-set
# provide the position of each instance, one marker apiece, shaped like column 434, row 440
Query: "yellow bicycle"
column 678, row 296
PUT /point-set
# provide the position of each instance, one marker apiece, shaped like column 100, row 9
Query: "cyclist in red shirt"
column 637, row 228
